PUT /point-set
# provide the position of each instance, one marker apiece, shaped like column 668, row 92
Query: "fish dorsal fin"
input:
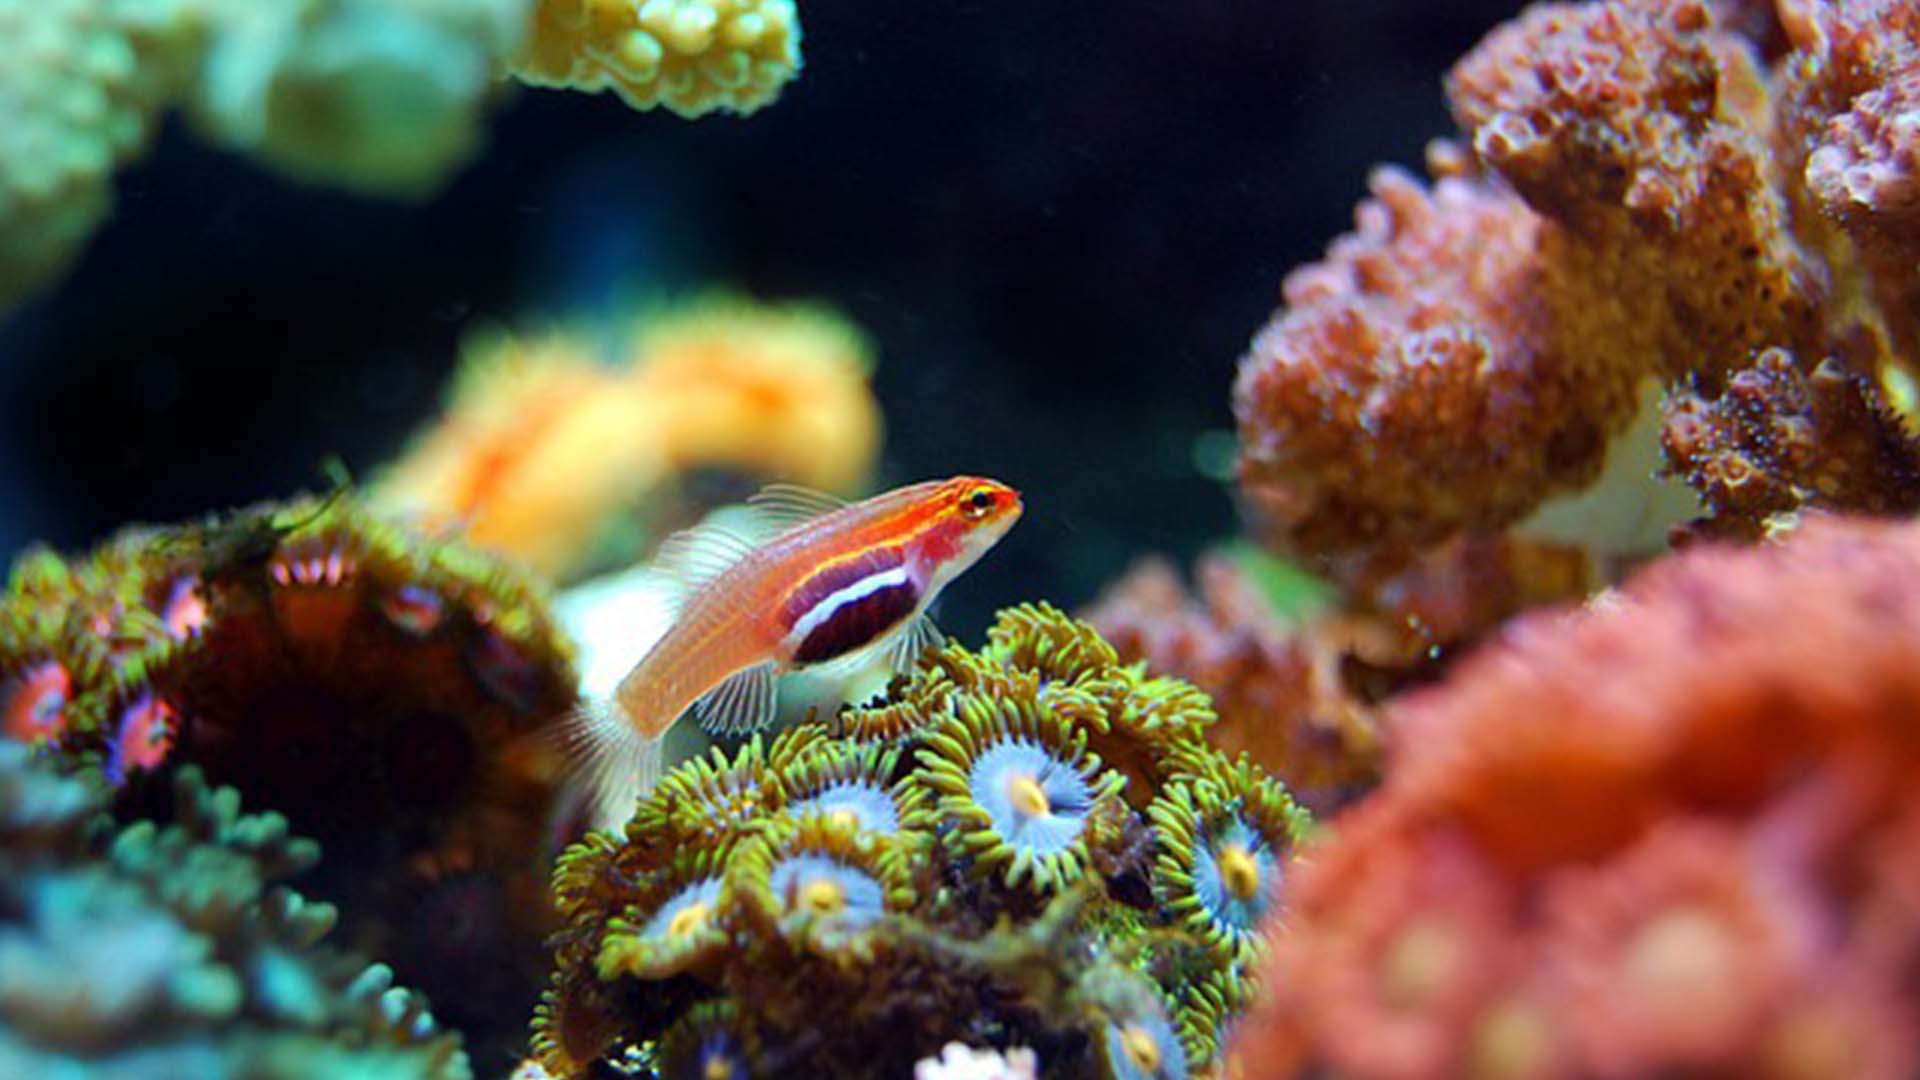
column 780, row 507
column 693, row 557
column 741, row 704
column 919, row 635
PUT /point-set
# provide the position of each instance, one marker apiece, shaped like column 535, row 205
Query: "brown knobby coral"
column 1619, row 218
column 1780, row 437
column 1670, row 834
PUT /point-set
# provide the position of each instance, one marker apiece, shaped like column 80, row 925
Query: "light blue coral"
column 171, row 951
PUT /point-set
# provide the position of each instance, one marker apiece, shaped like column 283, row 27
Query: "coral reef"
column 172, row 950
column 692, row 56
column 383, row 97
column 384, row 691
column 1302, row 692
column 1619, row 218
column 546, row 449
column 1669, row 834
column 376, row 96
column 968, row 860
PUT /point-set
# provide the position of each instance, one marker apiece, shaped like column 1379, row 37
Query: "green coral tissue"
column 1029, row 845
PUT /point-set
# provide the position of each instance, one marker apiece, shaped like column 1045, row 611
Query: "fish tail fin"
column 610, row 765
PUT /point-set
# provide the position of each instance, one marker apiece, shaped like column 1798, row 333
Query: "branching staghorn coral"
column 1670, row 834
column 172, row 950
column 1621, row 218
column 547, row 447
column 949, row 864
column 383, row 690
column 693, row 56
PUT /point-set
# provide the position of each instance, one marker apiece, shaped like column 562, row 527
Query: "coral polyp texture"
column 1302, row 691
column 836, row 903
column 174, row 949
column 691, row 56
column 385, row 691
column 549, row 448
column 1620, row 217
column 1671, row 834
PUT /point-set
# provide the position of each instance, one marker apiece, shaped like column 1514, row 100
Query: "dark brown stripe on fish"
column 855, row 615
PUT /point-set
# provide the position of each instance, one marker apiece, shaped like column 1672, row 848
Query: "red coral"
column 1693, row 803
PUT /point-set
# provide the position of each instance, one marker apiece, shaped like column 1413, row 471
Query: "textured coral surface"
column 692, row 56
column 1303, row 694
column 380, row 689
column 1671, row 834
column 173, row 950
column 969, row 860
column 1622, row 213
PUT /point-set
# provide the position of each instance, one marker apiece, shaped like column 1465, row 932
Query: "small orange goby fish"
column 831, row 585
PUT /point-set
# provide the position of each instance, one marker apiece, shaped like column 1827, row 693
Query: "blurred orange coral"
column 545, row 443
column 1623, row 219
column 1670, row 834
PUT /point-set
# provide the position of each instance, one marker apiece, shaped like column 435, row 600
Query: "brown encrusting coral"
column 381, row 689
column 1670, row 834
column 1619, row 218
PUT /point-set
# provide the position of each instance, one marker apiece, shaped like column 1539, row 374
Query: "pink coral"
column 1688, row 809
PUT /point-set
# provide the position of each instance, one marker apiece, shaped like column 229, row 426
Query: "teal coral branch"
column 173, row 950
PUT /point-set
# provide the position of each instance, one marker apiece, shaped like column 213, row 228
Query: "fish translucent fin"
column 743, row 704
column 783, row 506
column 610, row 765
column 693, row 557
column 919, row 635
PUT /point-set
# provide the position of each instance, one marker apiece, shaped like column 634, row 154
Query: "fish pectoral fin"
column 693, row 557
column 740, row 705
column 782, row 506
column 920, row 635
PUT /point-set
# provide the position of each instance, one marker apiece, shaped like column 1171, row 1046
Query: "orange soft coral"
column 1625, row 218
column 547, row 447
column 1677, row 810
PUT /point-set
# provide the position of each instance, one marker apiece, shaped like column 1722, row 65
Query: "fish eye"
column 978, row 502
